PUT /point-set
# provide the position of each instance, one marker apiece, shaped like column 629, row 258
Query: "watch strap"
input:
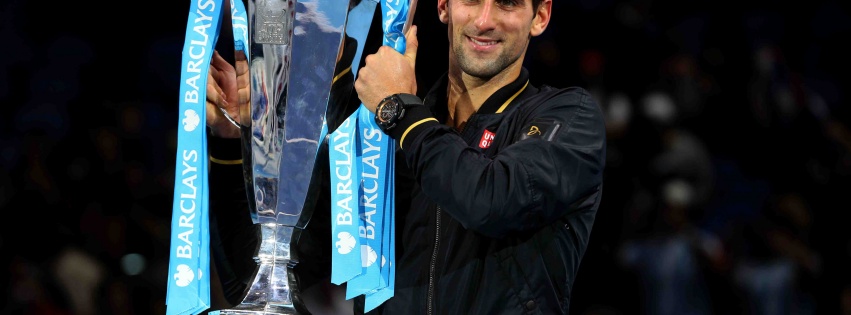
column 409, row 99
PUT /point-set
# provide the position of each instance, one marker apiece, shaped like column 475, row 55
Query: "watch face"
column 387, row 110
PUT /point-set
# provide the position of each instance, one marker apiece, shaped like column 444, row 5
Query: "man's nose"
column 485, row 18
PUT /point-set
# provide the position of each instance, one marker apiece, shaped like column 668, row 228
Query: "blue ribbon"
column 395, row 22
column 372, row 193
column 345, row 179
column 188, row 289
column 239, row 22
column 376, row 193
column 388, row 248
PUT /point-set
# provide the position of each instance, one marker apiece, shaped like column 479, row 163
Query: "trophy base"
column 272, row 290
column 264, row 310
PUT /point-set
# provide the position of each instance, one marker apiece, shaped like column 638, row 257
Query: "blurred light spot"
column 620, row 109
column 678, row 193
column 659, row 107
column 133, row 264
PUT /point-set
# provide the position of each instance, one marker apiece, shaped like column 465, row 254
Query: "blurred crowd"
column 728, row 159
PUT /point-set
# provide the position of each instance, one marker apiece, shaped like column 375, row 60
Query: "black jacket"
column 493, row 230
column 496, row 228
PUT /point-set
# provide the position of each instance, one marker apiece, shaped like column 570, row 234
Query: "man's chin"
column 481, row 71
column 484, row 65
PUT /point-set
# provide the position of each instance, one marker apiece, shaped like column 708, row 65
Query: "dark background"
column 727, row 176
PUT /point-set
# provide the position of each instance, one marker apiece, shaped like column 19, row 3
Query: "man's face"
column 488, row 36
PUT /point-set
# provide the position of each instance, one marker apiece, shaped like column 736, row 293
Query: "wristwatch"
column 392, row 109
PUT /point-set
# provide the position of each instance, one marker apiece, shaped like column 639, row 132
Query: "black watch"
column 392, row 109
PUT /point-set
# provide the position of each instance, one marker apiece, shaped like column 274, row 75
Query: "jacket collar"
column 495, row 104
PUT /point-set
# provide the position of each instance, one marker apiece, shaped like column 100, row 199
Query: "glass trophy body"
column 294, row 48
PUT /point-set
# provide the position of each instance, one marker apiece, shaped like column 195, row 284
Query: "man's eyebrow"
column 510, row 2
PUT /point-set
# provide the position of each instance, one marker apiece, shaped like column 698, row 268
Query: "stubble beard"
column 482, row 68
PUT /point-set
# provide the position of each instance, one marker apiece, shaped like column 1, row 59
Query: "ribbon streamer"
column 188, row 289
column 375, row 193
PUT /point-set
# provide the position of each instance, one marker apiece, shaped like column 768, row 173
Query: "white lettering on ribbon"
column 343, row 173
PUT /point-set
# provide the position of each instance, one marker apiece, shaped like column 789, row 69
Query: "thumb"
column 411, row 43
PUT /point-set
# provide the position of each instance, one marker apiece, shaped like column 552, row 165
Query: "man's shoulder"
column 570, row 90
column 548, row 96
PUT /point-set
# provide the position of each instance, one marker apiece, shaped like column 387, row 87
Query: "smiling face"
column 488, row 36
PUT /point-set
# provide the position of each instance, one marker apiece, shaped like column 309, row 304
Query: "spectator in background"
column 775, row 267
column 681, row 267
column 675, row 264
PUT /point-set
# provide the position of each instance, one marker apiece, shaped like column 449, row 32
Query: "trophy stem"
column 271, row 292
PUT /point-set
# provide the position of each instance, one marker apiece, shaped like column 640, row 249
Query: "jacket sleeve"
column 527, row 184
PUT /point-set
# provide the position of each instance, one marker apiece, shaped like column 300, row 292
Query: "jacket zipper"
column 433, row 263
column 431, row 269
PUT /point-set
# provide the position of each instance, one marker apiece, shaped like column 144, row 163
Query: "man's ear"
column 542, row 17
column 442, row 11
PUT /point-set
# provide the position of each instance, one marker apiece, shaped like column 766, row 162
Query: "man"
column 505, row 178
column 498, row 181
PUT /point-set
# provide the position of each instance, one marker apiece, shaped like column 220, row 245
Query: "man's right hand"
column 388, row 72
column 228, row 89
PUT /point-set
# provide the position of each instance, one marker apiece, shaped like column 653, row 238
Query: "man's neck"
column 467, row 93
